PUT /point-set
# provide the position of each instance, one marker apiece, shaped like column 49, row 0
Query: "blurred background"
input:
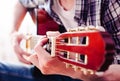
column 6, row 15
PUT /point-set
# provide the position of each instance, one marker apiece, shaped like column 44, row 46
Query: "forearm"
column 18, row 16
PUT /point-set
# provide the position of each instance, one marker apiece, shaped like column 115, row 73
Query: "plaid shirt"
column 90, row 12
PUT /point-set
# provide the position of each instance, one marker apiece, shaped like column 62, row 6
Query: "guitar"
column 83, row 49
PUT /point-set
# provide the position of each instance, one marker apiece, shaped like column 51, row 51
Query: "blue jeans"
column 11, row 72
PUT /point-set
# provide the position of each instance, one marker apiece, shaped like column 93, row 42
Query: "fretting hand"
column 21, row 54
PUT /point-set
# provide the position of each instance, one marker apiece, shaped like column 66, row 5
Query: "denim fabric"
column 11, row 72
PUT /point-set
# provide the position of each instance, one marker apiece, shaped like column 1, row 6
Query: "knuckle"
column 45, row 68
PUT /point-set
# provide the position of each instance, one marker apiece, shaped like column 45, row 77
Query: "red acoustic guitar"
column 79, row 48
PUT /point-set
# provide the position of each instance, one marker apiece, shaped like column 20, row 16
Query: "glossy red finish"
column 95, row 49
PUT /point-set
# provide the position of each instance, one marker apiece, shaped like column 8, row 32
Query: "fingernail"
column 99, row 73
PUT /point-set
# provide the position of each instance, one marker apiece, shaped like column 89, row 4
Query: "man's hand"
column 21, row 54
column 112, row 74
column 52, row 65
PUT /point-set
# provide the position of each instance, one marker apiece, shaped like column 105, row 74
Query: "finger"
column 22, row 59
column 34, row 60
column 22, row 53
column 19, row 50
column 25, row 53
column 41, row 52
column 42, row 42
column 18, row 38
